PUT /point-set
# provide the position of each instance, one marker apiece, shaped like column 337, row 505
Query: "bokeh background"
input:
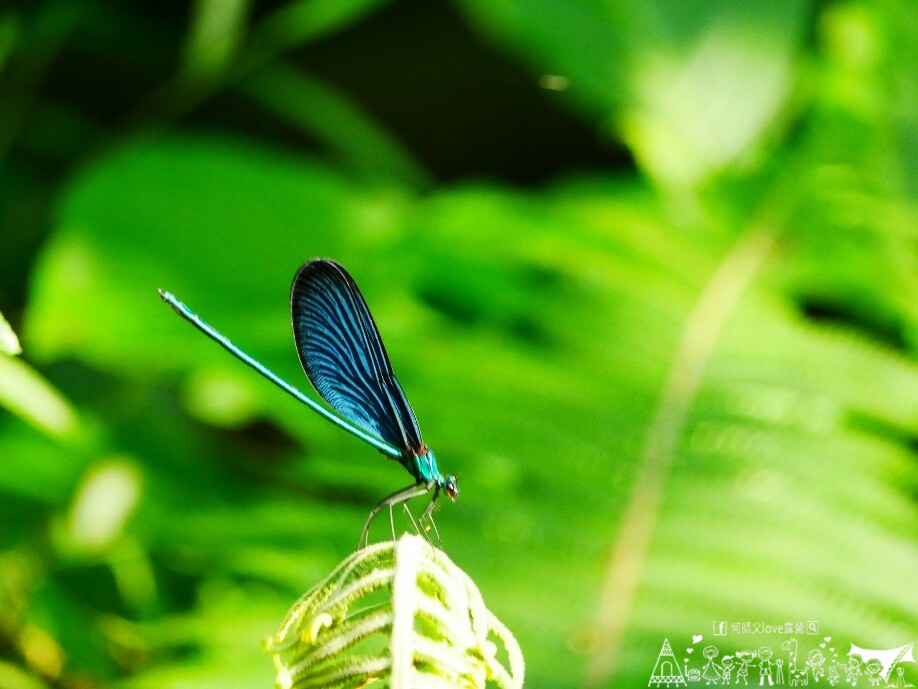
column 647, row 270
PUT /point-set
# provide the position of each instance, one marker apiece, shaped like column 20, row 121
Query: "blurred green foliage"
column 674, row 391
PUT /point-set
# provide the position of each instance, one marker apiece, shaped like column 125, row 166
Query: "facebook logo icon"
column 720, row 628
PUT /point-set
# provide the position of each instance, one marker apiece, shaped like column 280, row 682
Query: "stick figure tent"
column 666, row 671
column 889, row 657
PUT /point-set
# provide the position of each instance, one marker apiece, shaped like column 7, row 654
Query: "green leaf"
column 14, row 678
column 692, row 88
column 27, row 394
column 112, row 314
column 320, row 110
column 9, row 343
column 301, row 21
column 215, row 36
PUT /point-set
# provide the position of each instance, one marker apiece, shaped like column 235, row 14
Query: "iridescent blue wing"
column 344, row 357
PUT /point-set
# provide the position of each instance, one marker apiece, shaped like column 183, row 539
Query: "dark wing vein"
column 343, row 355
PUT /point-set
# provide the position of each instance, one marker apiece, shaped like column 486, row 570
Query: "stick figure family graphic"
column 784, row 665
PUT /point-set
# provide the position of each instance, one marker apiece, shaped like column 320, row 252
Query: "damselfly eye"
column 451, row 488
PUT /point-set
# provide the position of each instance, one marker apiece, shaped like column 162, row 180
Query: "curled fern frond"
column 398, row 613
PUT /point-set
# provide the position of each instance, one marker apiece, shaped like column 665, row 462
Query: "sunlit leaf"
column 103, row 503
column 691, row 87
column 216, row 32
column 25, row 393
column 9, row 343
column 14, row 678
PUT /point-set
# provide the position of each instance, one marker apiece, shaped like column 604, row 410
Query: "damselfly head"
column 451, row 487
